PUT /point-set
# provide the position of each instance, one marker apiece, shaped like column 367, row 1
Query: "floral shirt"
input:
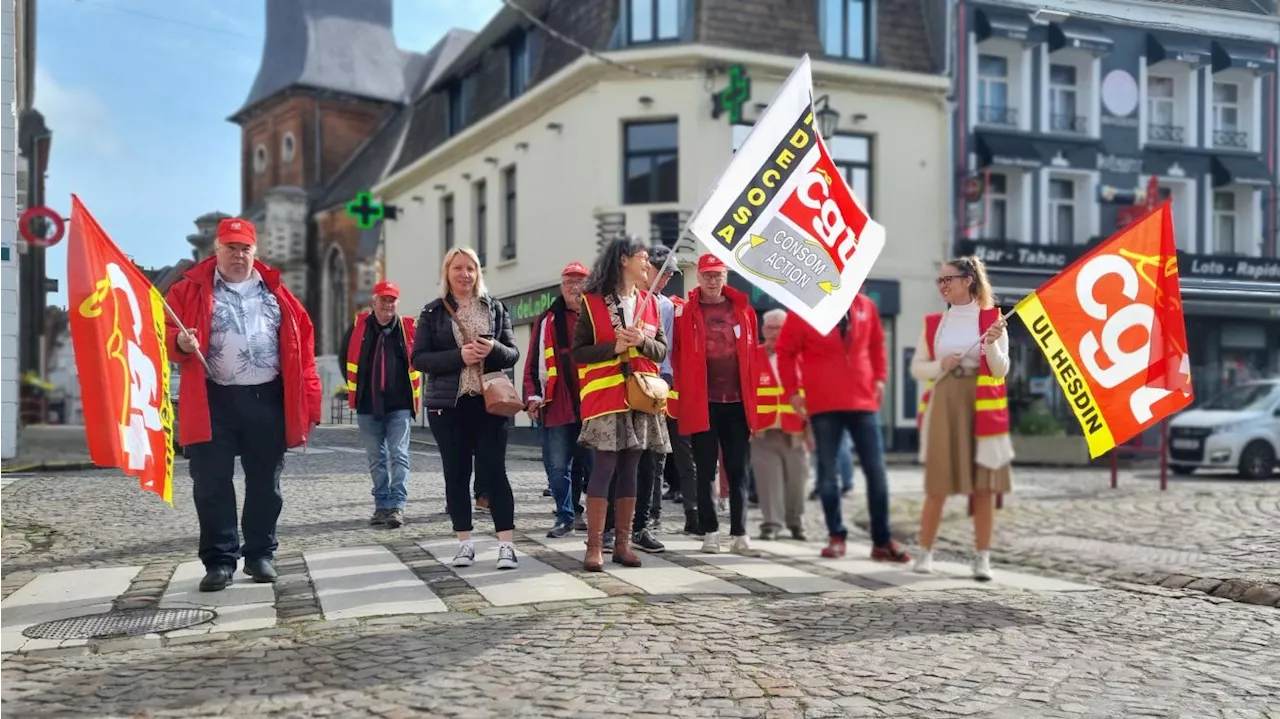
column 244, row 339
column 476, row 319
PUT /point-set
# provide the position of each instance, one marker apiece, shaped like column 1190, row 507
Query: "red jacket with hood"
column 690, row 362
column 192, row 300
column 839, row 371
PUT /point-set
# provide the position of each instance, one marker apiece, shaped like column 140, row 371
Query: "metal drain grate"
column 117, row 624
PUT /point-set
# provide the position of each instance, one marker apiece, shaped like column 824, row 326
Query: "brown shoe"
column 624, row 509
column 597, row 509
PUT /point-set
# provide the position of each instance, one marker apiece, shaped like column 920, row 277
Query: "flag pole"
column 174, row 316
column 1003, row 318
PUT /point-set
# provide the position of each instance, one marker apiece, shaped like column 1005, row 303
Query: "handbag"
column 500, row 395
column 646, row 393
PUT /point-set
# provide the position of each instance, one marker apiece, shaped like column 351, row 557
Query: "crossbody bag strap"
column 461, row 328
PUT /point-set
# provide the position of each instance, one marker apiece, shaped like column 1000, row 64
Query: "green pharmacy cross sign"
column 731, row 99
column 366, row 211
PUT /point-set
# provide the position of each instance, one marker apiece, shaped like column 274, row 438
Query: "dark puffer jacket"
column 437, row 354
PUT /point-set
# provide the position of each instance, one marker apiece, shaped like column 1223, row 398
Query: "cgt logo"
column 823, row 207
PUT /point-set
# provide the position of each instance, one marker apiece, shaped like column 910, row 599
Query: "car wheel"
column 1182, row 470
column 1257, row 461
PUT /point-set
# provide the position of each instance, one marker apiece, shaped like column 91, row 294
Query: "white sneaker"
column 982, row 567
column 924, row 563
column 507, row 556
column 711, row 543
column 742, row 547
column 466, row 555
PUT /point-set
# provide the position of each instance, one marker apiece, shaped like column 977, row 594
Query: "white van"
column 1239, row 429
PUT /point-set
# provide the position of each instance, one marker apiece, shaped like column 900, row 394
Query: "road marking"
column 657, row 576
column 531, row 583
column 242, row 606
column 367, row 581
column 59, row 595
column 790, row 579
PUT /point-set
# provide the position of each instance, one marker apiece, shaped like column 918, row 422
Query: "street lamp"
column 828, row 118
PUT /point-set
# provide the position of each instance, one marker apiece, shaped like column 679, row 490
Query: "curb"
column 64, row 466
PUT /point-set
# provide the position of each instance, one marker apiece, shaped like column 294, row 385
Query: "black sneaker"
column 560, row 530
column 395, row 518
column 379, row 517
column 580, row 522
column 546, row 492
column 645, row 542
column 691, row 528
column 798, row 534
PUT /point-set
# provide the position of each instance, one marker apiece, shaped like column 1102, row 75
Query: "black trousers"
column 680, row 469
column 468, row 436
column 729, row 433
column 649, row 490
column 246, row 420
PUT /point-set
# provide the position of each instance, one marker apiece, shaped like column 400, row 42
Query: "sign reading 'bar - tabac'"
column 1052, row 258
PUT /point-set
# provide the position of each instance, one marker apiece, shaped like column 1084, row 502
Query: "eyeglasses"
column 946, row 280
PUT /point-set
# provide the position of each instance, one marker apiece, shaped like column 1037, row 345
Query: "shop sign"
column 1116, row 163
column 731, row 99
column 525, row 307
column 1049, row 259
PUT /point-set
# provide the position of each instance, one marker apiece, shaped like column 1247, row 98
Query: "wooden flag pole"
column 174, row 316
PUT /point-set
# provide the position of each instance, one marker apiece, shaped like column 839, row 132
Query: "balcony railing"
column 1231, row 138
column 998, row 115
column 1069, row 123
column 665, row 227
column 1166, row 133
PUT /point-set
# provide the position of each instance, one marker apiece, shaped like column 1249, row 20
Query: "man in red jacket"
column 252, row 390
column 714, row 365
column 843, row 374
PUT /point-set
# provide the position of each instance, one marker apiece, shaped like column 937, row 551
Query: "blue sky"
column 137, row 93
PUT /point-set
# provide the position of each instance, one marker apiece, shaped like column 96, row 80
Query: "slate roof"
column 335, row 45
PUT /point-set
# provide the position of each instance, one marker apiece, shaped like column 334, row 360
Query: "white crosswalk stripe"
column 371, row 581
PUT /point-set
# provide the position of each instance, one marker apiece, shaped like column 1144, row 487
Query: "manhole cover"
column 115, row 624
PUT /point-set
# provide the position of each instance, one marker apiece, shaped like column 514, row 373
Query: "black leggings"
column 627, row 462
column 468, row 434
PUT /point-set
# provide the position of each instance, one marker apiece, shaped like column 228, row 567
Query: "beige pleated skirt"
column 949, row 459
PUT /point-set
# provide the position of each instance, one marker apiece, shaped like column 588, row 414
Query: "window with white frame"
column 1062, row 211
column 1064, row 114
column 1162, row 123
column 993, row 91
column 1227, row 130
column 851, row 155
column 1225, row 222
column 997, row 225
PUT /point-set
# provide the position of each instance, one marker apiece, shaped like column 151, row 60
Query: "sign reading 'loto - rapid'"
column 783, row 216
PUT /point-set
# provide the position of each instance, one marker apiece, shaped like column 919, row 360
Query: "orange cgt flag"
column 117, row 330
column 1111, row 326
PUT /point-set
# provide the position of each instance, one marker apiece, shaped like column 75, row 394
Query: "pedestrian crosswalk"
column 377, row 580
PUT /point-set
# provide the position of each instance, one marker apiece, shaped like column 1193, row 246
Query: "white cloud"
column 79, row 119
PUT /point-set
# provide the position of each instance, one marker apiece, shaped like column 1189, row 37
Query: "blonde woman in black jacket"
column 455, row 345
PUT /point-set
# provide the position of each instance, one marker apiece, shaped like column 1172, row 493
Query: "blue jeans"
column 844, row 464
column 864, row 429
column 387, row 438
column 560, row 452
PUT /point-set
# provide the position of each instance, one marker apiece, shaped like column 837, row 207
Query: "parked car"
column 1238, row 429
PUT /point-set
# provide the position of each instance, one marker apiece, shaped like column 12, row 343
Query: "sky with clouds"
column 137, row 93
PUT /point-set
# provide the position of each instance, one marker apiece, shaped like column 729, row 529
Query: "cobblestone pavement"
column 875, row 649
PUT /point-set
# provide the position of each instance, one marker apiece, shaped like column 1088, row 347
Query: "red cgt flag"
column 117, row 330
column 1111, row 326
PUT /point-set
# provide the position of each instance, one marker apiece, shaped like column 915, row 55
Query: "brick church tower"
column 331, row 75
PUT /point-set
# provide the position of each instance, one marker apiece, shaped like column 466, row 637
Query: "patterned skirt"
column 626, row 430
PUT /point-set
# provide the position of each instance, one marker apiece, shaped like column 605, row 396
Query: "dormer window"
column 845, row 28
column 653, row 20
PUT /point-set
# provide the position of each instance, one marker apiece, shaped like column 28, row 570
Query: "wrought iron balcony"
column 1069, row 123
column 1166, row 133
column 1231, row 138
column 998, row 115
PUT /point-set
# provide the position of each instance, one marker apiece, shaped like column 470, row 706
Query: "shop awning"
column 1254, row 58
column 989, row 23
column 1076, row 35
column 1173, row 163
column 1008, row 150
column 1239, row 170
column 1193, row 50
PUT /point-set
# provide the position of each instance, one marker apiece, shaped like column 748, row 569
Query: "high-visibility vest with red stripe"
column 603, row 387
column 353, row 359
column 773, row 411
column 991, row 406
column 673, row 396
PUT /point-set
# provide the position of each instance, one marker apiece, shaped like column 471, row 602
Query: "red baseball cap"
column 386, row 288
column 575, row 268
column 237, row 229
column 711, row 263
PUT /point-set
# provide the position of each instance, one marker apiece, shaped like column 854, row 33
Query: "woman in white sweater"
column 963, row 356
